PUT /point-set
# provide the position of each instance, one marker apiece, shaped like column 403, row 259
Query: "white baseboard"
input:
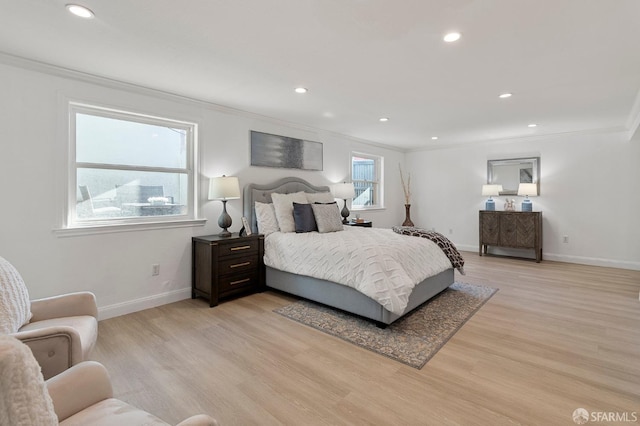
column 593, row 261
column 130, row 306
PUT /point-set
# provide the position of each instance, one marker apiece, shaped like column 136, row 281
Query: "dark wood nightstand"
column 226, row 266
column 365, row 224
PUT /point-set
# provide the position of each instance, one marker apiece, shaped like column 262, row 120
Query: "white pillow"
column 319, row 197
column 15, row 306
column 283, row 204
column 328, row 217
column 266, row 218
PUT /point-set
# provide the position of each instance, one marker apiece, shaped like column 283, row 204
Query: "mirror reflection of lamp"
column 224, row 188
column 344, row 191
column 490, row 190
column 528, row 190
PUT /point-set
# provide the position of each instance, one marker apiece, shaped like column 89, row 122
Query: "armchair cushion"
column 112, row 412
column 15, row 307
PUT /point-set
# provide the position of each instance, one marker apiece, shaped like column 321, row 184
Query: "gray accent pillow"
column 327, row 217
column 304, row 218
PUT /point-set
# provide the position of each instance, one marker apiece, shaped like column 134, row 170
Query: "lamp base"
column 345, row 213
column 490, row 204
column 224, row 221
column 527, row 205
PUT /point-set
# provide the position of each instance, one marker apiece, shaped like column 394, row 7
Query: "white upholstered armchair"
column 61, row 330
column 81, row 395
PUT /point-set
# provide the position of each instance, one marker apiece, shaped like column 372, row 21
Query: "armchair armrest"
column 199, row 420
column 66, row 305
column 55, row 348
column 79, row 387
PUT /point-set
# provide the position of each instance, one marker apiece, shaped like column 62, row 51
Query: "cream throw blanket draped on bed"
column 377, row 262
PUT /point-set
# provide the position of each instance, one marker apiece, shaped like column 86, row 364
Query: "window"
column 129, row 168
column 366, row 175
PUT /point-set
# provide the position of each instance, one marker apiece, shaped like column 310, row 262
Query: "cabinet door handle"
column 240, row 248
column 237, row 265
column 239, row 281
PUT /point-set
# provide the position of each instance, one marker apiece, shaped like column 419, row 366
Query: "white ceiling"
column 572, row 65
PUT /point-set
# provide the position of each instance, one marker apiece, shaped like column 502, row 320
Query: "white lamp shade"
column 343, row 191
column 490, row 190
column 528, row 189
column 224, row 188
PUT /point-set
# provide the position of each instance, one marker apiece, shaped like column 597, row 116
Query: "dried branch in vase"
column 406, row 187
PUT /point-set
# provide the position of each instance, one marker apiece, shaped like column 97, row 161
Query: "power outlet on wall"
column 565, row 239
column 155, row 269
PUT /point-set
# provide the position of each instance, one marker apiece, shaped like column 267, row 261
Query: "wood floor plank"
column 555, row 337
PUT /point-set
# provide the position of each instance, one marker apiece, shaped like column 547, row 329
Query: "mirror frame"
column 534, row 162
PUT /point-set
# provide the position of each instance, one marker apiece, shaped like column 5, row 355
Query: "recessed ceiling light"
column 532, row 125
column 301, row 90
column 80, row 11
column 383, row 119
column 505, row 95
column 434, row 138
column 451, row 37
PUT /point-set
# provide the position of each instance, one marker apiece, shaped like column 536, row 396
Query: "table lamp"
column 344, row 191
column 490, row 190
column 527, row 189
column 224, row 188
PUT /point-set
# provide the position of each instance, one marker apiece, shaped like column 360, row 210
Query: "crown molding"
column 68, row 73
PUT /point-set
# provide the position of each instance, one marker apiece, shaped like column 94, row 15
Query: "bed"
column 324, row 291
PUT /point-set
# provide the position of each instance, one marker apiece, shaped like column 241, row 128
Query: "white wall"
column 117, row 266
column 588, row 186
column 588, row 191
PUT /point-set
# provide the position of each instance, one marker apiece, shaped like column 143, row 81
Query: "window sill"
column 93, row 229
column 367, row 209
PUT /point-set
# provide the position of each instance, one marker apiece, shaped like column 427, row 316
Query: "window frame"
column 379, row 183
column 72, row 222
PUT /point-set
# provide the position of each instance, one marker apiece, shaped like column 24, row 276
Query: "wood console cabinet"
column 226, row 266
column 511, row 229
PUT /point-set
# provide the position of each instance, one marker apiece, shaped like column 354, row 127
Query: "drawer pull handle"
column 239, row 281
column 240, row 248
column 237, row 265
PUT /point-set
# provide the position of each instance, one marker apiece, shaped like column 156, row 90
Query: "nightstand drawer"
column 230, row 283
column 242, row 246
column 238, row 264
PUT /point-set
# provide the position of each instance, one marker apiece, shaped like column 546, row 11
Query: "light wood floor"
column 554, row 338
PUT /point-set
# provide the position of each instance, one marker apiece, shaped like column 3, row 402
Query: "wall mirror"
column 513, row 171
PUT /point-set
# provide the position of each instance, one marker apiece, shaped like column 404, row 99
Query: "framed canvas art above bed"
column 269, row 150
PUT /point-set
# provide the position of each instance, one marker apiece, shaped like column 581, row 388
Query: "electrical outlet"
column 565, row 239
column 155, row 269
column 450, row 230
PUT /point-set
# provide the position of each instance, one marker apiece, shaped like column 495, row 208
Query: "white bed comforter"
column 377, row 262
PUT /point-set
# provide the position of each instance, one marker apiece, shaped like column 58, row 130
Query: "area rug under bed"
column 412, row 340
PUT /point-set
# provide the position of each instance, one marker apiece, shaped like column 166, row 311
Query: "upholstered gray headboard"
column 262, row 193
